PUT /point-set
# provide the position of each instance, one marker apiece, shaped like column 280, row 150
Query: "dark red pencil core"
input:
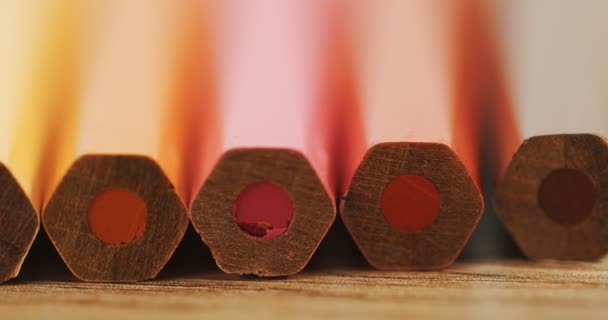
column 117, row 216
column 410, row 203
column 263, row 210
column 567, row 196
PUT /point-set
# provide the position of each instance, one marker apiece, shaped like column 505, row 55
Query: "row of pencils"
column 258, row 121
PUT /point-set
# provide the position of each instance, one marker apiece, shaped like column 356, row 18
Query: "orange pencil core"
column 263, row 210
column 567, row 196
column 410, row 203
column 117, row 216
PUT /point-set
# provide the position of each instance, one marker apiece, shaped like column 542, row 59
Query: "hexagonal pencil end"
column 19, row 224
column 115, row 218
column 411, row 206
column 553, row 197
column 263, row 212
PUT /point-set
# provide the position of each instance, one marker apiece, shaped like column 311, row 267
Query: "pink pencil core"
column 263, row 210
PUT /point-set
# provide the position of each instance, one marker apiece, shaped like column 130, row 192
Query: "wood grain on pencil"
column 116, row 214
column 268, row 200
column 412, row 202
column 36, row 59
column 552, row 195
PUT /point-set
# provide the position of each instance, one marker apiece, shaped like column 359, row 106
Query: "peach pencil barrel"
column 413, row 201
column 37, row 47
column 118, row 212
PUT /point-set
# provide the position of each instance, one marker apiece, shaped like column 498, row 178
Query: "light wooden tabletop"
column 509, row 289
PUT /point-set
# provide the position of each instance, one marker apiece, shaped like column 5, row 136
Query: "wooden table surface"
column 510, row 289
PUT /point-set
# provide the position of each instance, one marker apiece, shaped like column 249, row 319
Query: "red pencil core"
column 117, row 216
column 410, row 203
column 263, row 210
column 567, row 196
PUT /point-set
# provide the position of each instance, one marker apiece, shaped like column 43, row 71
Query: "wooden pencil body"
column 412, row 202
column 36, row 59
column 272, row 57
column 551, row 195
column 116, row 215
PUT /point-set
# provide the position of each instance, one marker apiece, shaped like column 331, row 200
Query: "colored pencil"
column 552, row 192
column 117, row 215
column 36, row 59
column 268, row 197
column 413, row 200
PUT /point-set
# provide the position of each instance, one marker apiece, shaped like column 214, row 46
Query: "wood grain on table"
column 510, row 289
